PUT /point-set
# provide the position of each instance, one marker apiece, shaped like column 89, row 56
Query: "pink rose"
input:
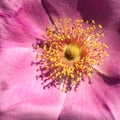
column 22, row 96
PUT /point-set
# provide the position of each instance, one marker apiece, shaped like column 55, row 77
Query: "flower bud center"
column 72, row 52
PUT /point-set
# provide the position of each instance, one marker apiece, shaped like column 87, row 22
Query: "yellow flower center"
column 70, row 52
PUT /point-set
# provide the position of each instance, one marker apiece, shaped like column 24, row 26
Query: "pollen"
column 69, row 53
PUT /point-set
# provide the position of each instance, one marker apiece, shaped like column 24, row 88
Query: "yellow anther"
column 100, row 71
column 38, row 56
column 102, row 35
column 68, row 36
column 90, row 69
column 80, row 74
column 44, row 47
column 93, row 21
column 94, row 27
column 100, row 26
column 105, row 45
column 74, row 82
column 57, row 75
column 106, row 54
column 37, row 47
column 89, row 74
column 63, row 89
column 47, row 67
column 86, row 22
column 97, row 34
column 72, row 76
column 51, row 74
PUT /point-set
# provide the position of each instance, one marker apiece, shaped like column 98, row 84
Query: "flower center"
column 72, row 52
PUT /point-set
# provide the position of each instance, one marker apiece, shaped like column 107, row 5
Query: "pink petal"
column 115, row 9
column 111, row 64
column 61, row 8
column 36, row 13
column 99, row 10
column 10, row 6
column 25, row 25
column 20, row 92
column 95, row 101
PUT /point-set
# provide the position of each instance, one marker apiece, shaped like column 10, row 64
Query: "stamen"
column 70, row 52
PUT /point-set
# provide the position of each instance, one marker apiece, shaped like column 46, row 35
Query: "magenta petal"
column 99, row 10
column 21, row 94
column 111, row 64
column 18, row 32
column 36, row 13
column 10, row 6
column 25, row 25
column 29, row 112
column 95, row 101
column 61, row 8
column 115, row 9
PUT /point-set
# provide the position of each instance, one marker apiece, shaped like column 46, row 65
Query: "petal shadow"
column 99, row 10
column 24, row 116
column 110, row 80
column 75, row 116
column 3, row 85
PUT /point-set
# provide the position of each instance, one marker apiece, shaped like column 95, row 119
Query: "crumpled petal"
column 21, row 94
column 25, row 25
column 115, row 9
column 110, row 66
column 99, row 10
column 37, row 14
column 95, row 101
column 61, row 8
column 10, row 6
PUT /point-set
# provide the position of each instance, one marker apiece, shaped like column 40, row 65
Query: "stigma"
column 72, row 52
column 69, row 53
